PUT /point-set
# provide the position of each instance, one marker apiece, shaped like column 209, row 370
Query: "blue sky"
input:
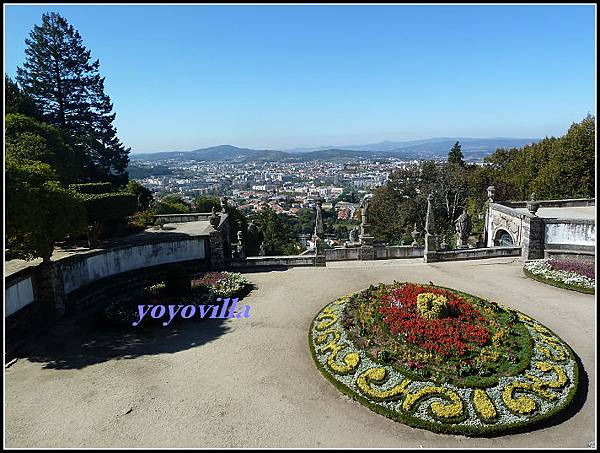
column 185, row 77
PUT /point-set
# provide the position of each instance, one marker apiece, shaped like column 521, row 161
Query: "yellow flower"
column 483, row 405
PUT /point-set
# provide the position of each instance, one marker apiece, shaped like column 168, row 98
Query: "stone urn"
column 415, row 235
column 533, row 205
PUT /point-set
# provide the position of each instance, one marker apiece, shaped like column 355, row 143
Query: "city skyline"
column 283, row 77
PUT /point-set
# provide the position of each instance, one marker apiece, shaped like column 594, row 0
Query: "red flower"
column 455, row 335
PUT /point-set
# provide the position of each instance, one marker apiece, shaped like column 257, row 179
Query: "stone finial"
column 415, row 235
column 491, row 191
column 533, row 205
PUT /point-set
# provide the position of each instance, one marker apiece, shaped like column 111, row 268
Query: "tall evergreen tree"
column 66, row 86
column 455, row 156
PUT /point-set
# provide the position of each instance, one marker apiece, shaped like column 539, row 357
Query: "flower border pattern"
column 515, row 403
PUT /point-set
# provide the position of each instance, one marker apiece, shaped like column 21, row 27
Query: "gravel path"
column 252, row 382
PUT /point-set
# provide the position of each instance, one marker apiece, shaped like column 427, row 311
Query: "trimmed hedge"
column 105, row 208
column 92, row 187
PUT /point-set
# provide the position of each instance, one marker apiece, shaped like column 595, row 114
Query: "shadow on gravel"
column 79, row 343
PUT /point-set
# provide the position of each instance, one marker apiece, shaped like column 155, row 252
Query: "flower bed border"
column 558, row 284
column 487, row 430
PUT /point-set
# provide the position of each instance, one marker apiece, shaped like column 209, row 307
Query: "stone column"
column 532, row 241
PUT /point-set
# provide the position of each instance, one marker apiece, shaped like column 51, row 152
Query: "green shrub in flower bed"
column 443, row 360
column 223, row 284
column 567, row 274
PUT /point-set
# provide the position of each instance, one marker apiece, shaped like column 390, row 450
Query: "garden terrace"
column 262, row 388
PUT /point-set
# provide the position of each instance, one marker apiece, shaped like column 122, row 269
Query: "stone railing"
column 566, row 203
column 473, row 254
column 278, row 261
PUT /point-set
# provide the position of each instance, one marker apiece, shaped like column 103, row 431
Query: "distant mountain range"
column 434, row 148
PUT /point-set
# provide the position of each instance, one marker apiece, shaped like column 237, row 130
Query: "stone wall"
column 569, row 232
column 52, row 284
column 473, row 254
column 18, row 294
column 287, row 261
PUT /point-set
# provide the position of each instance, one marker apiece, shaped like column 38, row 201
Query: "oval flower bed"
column 443, row 360
column 575, row 275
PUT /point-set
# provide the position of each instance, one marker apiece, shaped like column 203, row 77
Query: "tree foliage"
column 39, row 211
column 65, row 85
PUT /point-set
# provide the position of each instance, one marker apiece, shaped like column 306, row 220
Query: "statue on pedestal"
column 353, row 236
column 463, row 227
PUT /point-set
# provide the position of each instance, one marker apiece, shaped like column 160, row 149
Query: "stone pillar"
column 217, row 251
column 532, row 241
column 49, row 290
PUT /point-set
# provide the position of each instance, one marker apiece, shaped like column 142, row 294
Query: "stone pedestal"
column 366, row 252
column 431, row 248
column 217, row 251
column 533, row 239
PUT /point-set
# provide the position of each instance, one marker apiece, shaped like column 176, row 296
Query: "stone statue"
column 365, row 208
column 353, row 236
column 463, row 227
column 262, row 251
column 214, row 218
column 253, row 239
column 223, row 203
column 319, row 229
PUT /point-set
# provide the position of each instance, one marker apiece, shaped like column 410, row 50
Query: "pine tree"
column 455, row 155
column 66, row 86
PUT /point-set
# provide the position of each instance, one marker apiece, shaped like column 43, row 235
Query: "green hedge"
column 107, row 208
column 92, row 187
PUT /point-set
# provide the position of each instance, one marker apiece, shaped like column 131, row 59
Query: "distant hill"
column 434, row 148
column 438, row 147
column 221, row 152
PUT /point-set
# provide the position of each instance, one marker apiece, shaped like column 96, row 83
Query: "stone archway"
column 503, row 238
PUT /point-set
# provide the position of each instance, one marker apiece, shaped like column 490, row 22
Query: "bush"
column 178, row 281
column 108, row 208
column 92, row 187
